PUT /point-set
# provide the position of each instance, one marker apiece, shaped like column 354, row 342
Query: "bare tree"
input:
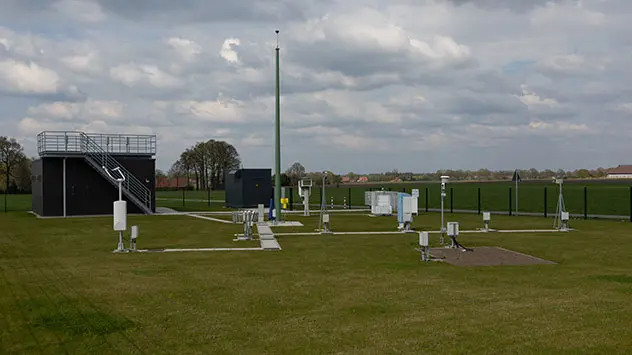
column 187, row 159
column 11, row 157
column 208, row 161
column 226, row 158
column 177, row 169
column 295, row 173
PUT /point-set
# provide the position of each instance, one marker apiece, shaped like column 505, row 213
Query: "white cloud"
column 187, row 49
column 626, row 107
column 132, row 74
column 227, row 52
column 93, row 116
column 218, row 111
column 442, row 48
column 6, row 43
column 385, row 81
column 81, row 10
column 68, row 110
column 533, row 101
column 82, row 62
column 30, row 78
column 560, row 129
column 556, row 15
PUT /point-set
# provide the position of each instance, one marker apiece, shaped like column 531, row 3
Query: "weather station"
column 304, row 192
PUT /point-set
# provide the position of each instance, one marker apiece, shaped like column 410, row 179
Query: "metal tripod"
column 557, row 223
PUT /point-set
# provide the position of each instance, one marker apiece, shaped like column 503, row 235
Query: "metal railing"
column 131, row 184
column 89, row 146
column 51, row 142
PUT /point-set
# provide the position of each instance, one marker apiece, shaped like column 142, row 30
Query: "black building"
column 247, row 188
column 69, row 179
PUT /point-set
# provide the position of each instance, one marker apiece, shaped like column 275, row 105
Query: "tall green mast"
column 277, row 168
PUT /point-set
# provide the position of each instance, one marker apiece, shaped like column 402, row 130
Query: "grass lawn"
column 62, row 290
column 16, row 202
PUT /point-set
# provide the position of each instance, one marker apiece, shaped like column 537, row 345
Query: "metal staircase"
column 132, row 188
column 91, row 148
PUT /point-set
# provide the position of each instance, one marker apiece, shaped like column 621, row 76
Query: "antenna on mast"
column 277, row 155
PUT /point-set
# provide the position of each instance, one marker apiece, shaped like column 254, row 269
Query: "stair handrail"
column 131, row 183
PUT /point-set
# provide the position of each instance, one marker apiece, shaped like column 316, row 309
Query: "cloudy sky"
column 413, row 85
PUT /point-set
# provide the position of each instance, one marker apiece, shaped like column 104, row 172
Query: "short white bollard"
column 486, row 219
column 565, row 218
column 132, row 239
column 423, row 244
column 261, row 212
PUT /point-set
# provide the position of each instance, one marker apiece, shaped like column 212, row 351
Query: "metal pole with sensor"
column 277, row 156
column 304, row 191
column 444, row 181
column 323, row 223
column 559, row 223
column 120, row 208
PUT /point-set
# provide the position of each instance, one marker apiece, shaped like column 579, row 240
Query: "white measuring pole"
column 120, row 208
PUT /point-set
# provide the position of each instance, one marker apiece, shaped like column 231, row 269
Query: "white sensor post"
column 132, row 239
column 326, row 229
column 120, row 209
column 487, row 217
column 423, row 244
column 444, row 181
column 261, row 212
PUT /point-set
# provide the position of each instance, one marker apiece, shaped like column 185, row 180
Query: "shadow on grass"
column 72, row 318
column 625, row 279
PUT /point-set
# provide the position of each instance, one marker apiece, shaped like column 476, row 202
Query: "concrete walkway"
column 266, row 237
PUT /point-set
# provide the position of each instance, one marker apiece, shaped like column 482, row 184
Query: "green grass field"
column 63, row 291
column 16, row 202
column 601, row 198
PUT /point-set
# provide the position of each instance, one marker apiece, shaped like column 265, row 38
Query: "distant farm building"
column 620, row 172
column 164, row 182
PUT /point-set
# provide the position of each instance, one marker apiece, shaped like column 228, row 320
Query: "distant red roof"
column 621, row 169
column 162, row 182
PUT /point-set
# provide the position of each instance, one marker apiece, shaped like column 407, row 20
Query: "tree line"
column 291, row 176
column 486, row 174
column 15, row 167
column 206, row 163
